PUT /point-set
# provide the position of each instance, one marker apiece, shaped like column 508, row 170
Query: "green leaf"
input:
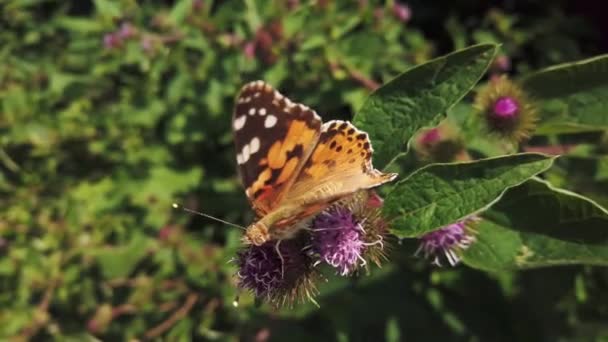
column 108, row 9
column 601, row 174
column 79, row 25
column 180, row 11
column 573, row 96
column 440, row 194
column 418, row 97
column 536, row 224
column 119, row 262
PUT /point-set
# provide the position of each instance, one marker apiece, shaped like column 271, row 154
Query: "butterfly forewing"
column 273, row 138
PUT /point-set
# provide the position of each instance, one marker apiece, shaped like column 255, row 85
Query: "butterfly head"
column 256, row 234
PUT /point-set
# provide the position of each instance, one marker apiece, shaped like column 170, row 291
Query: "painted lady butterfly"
column 292, row 165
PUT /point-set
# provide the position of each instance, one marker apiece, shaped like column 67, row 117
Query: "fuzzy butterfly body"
column 292, row 165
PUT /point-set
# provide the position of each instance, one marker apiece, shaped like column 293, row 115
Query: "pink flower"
column 111, row 41
column 402, row 12
column 249, row 49
column 126, row 31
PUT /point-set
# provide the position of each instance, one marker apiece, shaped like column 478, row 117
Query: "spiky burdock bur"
column 448, row 242
column 506, row 110
column 278, row 272
column 350, row 232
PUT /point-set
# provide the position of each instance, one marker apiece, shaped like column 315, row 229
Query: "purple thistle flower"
column 272, row 269
column 430, row 137
column 448, row 241
column 506, row 107
column 338, row 239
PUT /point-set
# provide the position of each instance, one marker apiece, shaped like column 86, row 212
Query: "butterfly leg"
column 276, row 247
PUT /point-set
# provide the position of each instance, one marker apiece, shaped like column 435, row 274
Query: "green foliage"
column 535, row 225
column 440, row 194
column 574, row 96
column 110, row 111
column 392, row 114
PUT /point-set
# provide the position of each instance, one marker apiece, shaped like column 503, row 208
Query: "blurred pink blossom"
column 402, row 12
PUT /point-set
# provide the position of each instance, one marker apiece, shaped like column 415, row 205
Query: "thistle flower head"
column 506, row 110
column 448, row 242
column 337, row 239
column 430, row 137
column 506, row 107
column 279, row 272
column 351, row 232
column 366, row 205
column 440, row 144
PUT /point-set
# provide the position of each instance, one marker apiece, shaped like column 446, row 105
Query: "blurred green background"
column 112, row 110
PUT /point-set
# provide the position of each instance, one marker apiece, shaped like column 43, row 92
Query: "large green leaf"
column 573, row 96
column 440, row 194
column 418, row 97
column 536, row 225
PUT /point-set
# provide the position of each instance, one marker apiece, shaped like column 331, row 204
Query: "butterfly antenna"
column 188, row 210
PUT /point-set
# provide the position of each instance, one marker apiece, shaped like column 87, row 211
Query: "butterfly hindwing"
column 273, row 138
column 339, row 165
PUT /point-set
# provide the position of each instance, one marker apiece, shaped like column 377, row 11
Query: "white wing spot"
column 256, row 95
column 254, row 145
column 270, row 121
column 251, row 111
column 239, row 122
column 239, row 159
column 247, row 99
column 246, row 153
column 262, row 111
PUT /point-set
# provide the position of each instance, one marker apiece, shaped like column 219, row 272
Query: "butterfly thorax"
column 273, row 226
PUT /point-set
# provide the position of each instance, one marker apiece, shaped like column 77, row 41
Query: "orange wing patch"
column 340, row 164
column 281, row 165
column 273, row 138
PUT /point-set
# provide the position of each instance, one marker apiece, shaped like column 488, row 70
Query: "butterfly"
column 292, row 165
